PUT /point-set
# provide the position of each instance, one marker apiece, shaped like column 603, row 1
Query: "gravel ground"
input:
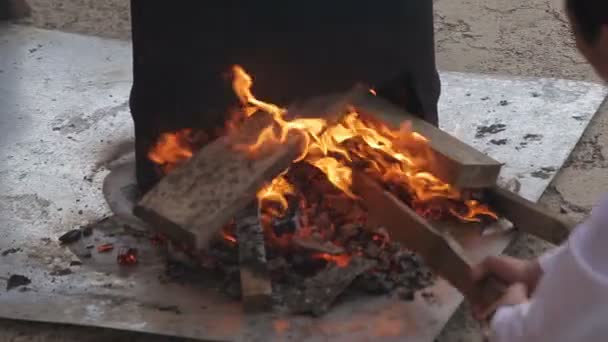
column 520, row 37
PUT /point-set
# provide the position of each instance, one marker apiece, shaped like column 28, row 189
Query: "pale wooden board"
column 455, row 162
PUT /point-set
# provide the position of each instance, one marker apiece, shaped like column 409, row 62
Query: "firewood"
column 453, row 161
column 319, row 292
column 195, row 200
column 256, row 286
column 317, row 245
column 529, row 217
column 439, row 251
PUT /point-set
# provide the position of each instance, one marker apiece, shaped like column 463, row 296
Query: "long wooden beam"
column 528, row 216
column 440, row 252
column 454, row 161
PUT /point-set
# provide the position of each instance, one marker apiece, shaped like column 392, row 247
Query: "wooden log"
column 195, row 200
column 454, row 161
column 256, row 286
column 528, row 216
column 318, row 293
column 439, row 251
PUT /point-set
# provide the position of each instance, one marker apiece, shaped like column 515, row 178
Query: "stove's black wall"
column 294, row 49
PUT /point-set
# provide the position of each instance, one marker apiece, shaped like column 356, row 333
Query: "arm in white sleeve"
column 571, row 301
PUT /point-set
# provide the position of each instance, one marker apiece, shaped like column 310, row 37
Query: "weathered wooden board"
column 323, row 289
column 195, row 200
column 256, row 286
column 454, row 161
column 440, row 251
column 528, row 216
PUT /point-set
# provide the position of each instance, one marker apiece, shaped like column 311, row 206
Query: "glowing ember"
column 106, row 247
column 228, row 237
column 127, row 256
column 340, row 260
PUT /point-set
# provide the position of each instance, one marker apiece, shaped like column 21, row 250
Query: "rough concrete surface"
column 520, row 37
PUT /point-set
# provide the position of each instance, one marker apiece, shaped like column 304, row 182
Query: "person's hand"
column 521, row 277
column 515, row 294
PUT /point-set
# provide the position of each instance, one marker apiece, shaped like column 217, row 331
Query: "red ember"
column 127, row 256
column 106, row 247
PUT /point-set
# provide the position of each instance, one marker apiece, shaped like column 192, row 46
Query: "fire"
column 275, row 192
column 398, row 158
column 171, row 150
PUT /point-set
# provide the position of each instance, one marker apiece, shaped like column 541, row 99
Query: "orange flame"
column 171, row 150
column 275, row 191
column 400, row 157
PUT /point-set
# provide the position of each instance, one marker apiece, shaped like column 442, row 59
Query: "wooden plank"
column 318, row 293
column 528, row 216
column 441, row 252
column 195, row 200
column 454, row 161
column 256, row 286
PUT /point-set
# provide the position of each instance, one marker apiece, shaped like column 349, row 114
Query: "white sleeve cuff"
column 508, row 323
column 547, row 260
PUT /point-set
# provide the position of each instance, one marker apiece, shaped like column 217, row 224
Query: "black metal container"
column 183, row 52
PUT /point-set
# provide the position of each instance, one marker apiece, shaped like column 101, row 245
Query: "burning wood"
column 444, row 255
column 315, row 228
column 194, row 201
column 449, row 159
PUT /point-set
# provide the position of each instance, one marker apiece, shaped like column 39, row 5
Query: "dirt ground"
column 520, row 37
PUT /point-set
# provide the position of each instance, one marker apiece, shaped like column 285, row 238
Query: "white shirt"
column 571, row 300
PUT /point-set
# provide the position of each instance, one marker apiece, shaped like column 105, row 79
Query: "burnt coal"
column 10, row 251
column 71, row 236
column 61, row 272
column 17, row 280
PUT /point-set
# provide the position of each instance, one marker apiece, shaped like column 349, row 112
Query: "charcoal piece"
column 348, row 231
column 305, row 265
column 372, row 250
column 71, row 236
column 87, row 231
column 374, row 283
column 277, row 265
column 17, row 280
column 10, row 251
column 324, row 225
column 316, row 294
column 313, row 244
column 61, row 272
column 75, row 263
column 284, row 225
